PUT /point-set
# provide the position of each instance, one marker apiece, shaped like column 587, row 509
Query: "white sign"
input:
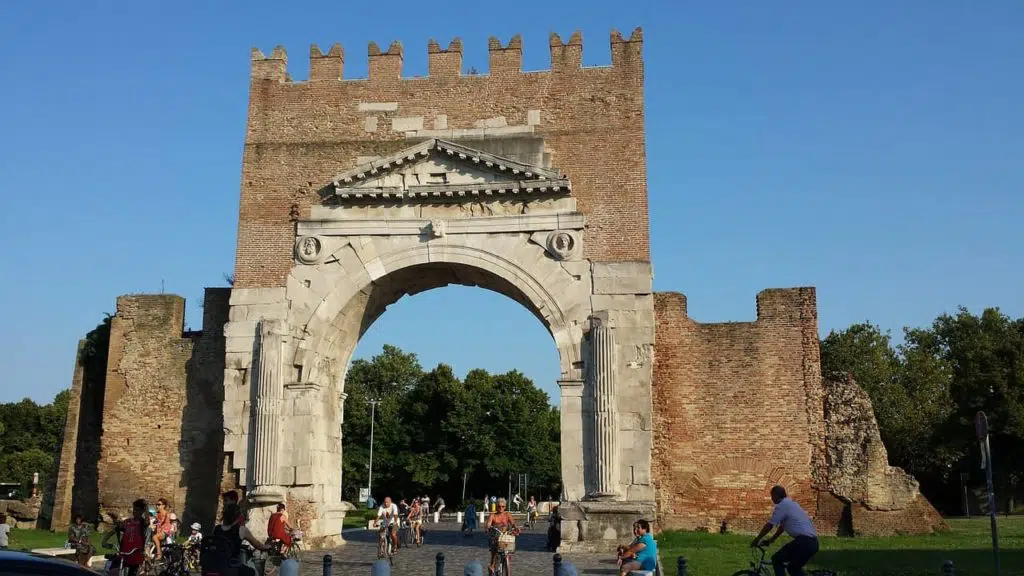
column 364, row 494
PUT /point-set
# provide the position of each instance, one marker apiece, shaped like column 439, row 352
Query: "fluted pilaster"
column 602, row 338
column 269, row 391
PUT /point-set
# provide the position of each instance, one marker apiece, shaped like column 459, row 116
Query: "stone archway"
column 434, row 214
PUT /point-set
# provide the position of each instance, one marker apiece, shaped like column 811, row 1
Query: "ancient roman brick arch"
column 437, row 213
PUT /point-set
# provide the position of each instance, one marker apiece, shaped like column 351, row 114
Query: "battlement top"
column 504, row 59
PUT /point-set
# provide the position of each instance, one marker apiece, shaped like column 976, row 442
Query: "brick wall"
column 737, row 408
column 162, row 422
column 302, row 134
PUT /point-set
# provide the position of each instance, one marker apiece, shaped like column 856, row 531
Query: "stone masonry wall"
column 737, row 408
column 302, row 134
column 60, row 517
column 162, row 424
column 143, row 402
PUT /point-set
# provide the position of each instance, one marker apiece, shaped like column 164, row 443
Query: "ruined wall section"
column 201, row 445
column 737, row 409
column 63, row 491
column 162, row 424
column 302, row 134
column 143, row 403
column 875, row 499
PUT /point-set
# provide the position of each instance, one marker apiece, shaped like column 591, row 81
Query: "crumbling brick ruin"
column 355, row 192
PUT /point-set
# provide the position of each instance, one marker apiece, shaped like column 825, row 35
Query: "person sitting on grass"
column 642, row 554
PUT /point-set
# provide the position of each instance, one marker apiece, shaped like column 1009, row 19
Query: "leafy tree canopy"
column 431, row 431
column 927, row 390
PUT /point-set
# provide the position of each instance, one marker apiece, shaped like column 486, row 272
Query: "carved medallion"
column 562, row 244
column 438, row 228
column 308, row 249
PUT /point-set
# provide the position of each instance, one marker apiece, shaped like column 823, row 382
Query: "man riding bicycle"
column 500, row 521
column 387, row 518
column 788, row 516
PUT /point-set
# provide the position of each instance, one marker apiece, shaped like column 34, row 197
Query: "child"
column 196, row 538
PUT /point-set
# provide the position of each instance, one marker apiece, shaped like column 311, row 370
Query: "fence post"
column 558, row 564
column 947, row 568
column 681, row 566
column 328, row 565
column 439, row 564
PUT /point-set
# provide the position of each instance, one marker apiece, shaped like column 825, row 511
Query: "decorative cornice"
column 456, row 192
column 515, row 177
column 415, row 226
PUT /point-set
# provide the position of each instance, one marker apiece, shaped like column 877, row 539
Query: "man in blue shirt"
column 644, row 550
column 790, row 518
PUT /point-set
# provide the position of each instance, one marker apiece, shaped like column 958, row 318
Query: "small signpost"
column 981, row 428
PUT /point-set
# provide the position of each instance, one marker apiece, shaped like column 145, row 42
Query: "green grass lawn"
column 32, row 539
column 968, row 544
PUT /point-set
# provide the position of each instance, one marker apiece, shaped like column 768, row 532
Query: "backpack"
column 218, row 554
column 133, row 538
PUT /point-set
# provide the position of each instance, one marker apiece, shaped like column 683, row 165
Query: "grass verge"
column 968, row 544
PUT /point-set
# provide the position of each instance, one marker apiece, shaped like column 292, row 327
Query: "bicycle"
column 115, row 565
column 385, row 544
column 506, row 548
column 761, row 567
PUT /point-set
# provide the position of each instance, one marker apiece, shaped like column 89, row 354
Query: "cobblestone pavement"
column 359, row 553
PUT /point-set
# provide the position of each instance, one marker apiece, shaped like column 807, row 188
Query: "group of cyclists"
column 143, row 540
column 499, row 526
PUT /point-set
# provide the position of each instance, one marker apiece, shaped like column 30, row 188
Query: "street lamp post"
column 373, row 413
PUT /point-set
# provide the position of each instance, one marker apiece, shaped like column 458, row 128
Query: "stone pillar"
column 573, row 485
column 269, row 390
column 602, row 341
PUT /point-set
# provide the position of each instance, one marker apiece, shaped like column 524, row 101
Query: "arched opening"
column 505, row 407
column 445, row 422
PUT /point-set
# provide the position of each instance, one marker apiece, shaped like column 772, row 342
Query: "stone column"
column 602, row 342
column 269, row 390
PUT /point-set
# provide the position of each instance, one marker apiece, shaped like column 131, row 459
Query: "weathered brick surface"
column 742, row 406
column 162, row 423
column 737, row 409
column 302, row 134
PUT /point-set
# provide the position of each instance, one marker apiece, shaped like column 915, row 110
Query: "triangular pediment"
column 437, row 170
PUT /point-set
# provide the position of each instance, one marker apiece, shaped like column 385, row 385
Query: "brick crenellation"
column 504, row 59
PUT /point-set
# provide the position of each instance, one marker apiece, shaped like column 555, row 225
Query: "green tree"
column 985, row 357
column 433, row 431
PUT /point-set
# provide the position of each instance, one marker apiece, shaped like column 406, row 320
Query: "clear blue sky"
column 873, row 150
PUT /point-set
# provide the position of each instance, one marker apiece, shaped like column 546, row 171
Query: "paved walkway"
column 530, row 559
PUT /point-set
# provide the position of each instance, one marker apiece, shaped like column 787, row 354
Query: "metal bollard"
column 328, row 565
column 558, row 564
column 947, row 568
column 381, row 568
column 681, row 566
column 473, row 568
column 439, row 564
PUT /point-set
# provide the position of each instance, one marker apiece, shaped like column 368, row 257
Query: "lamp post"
column 373, row 413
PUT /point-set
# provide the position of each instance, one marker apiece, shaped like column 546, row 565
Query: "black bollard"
column 439, row 564
column 328, row 565
column 558, row 564
column 681, row 566
column 947, row 568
